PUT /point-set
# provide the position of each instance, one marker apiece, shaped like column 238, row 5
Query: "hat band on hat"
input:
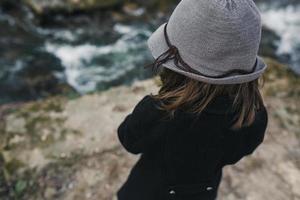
column 173, row 54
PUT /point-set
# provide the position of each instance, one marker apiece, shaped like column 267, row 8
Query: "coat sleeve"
column 247, row 139
column 141, row 130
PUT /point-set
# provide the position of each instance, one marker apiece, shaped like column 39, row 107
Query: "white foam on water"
column 286, row 23
column 65, row 35
column 72, row 56
column 122, row 29
column 81, row 72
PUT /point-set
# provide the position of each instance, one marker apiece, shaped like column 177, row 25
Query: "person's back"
column 184, row 156
column 198, row 122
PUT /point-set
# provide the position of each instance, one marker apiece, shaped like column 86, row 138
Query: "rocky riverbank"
column 66, row 148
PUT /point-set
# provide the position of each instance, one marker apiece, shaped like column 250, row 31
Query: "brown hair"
column 179, row 91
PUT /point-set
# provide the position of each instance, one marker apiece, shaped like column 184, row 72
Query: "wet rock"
column 268, row 46
column 157, row 4
column 37, row 79
column 8, row 4
column 46, row 6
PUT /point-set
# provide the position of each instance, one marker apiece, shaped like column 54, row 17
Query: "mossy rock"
column 280, row 80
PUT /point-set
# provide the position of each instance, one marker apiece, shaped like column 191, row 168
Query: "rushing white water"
column 93, row 55
column 82, row 70
column 286, row 23
column 84, row 73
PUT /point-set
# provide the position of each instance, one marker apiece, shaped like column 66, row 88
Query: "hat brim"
column 158, row 45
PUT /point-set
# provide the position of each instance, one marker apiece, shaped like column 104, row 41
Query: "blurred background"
column 71, row 70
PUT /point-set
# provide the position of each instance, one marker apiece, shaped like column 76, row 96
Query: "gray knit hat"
column 213, row 41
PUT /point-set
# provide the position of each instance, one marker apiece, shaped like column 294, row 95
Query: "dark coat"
column 182, row 158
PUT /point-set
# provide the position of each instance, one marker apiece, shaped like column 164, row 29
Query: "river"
column 90, row 55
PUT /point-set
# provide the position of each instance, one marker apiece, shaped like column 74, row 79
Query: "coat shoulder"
column 148, row 107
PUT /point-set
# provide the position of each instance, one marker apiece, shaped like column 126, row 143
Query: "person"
column 208, row 113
